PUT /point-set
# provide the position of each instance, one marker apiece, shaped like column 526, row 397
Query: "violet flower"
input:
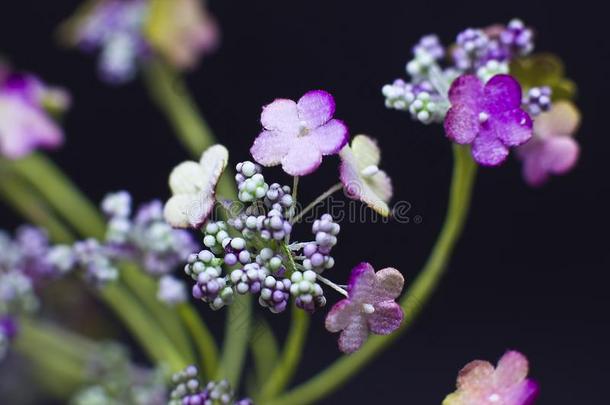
column 25, row 125
column 552, row 149
column 487, row 116
column 479, row 383
column 369, row 307
column 361, row 177
column 298, row 135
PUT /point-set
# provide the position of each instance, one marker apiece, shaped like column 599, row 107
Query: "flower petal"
column 213, row 162
column 461, row 124
column 281, row 116
column 466, row 90
column 270, row 147
column 512, row 368
column 340, row 315
column 488, row 150
column 316, row 108
column 329, row 138
column 523, row 393
column 386, row 319
column 302, row 158
column 366, row 151
column 187, row 178
column 381, row 184
column 361, row 284
column 184, row 210
column 562, row 119
column 475, row 375
column 388, row 284
column 512, row 127
column 502, row 93
column 354, row 335
column 560, row 154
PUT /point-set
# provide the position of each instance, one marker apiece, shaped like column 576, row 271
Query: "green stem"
column 202, row 337
column 414, row 300
column 236, row 339
column 317, row 201
column 291, row 355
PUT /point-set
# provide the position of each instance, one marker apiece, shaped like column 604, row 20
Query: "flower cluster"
column 468, row 87
column 188, row 390
column 26, row 109
column 127, row 33
column 480, row 384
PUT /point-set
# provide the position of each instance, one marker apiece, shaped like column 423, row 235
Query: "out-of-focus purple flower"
column 171, row 290
column 8, row 331
column 518, row 38
column 95, row 260
column 471, row 45
column 25, row 124
column 369, row 307
column 487, row 116
column 431, row 45
column 297, row 135
column 479, row 383
column 537, row 100
column 552, row 150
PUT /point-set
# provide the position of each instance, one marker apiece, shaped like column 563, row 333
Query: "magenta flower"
column 479, row 383
column 553, row 149
column 297, row 135
column 24, row 122
column 370, row 306
column 487, row 116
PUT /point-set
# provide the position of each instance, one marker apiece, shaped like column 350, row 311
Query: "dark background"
column 531, row 270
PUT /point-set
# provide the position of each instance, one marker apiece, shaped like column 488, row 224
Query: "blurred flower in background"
column 128, row 33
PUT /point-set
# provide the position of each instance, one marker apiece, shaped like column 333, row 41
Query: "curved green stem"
column 291, row 355
column 414, row 300
column 203, row 339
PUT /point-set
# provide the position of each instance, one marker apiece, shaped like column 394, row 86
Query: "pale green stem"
column 291, row 355
column 332, row 285
column 236, row 340
column 414, row 300
column 317, row 201
column 265, row 351
column 208, row 351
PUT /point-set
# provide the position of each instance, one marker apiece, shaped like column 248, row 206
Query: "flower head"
column 369, row 307
column 193, row 187
column 25, row 124
column 552, row 149
column 361, row 177
column 487, row 116
column 297, row 135
column 479, row 383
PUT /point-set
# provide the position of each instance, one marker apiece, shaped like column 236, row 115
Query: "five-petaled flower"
column 361, row 177
column 297, row 135
column 193, row 187
column 552, row 149
column 487, row 116
column 369, row 307
column 479, row 383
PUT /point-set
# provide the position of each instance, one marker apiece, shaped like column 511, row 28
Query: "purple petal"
column 512, row 127
column 361, row 283
column 388, row 284
column 302, row 158
column 386, row 319
column 354, row 335
column 502, row 93
column 466, row 90
column 282, row 116
column 462, row 124
column 526, row 393
column 340, row 316
column 556, row 155
column 475, row 376
column 316, row 108
column 269, row 148
column 488, row 150
column 329, row 138
column 512, row 368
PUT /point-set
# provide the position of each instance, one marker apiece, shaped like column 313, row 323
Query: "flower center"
column 369, row 171
column 494, row 398
column 368, row 308
column 303, row 130
column 483, row 117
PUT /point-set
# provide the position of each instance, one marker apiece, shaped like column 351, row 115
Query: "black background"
column 531, row 270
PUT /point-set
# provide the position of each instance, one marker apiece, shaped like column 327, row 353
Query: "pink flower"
column 24, row 122
column 553, row 149
column 297, row 135
column 487, row 116
column 479, row 383
column 370, row 306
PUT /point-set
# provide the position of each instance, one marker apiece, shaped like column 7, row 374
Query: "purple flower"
column 297, row 135
column 24, row 123
column 479, row 383
column 487, row 116
column 553, row 149
column 370, row 306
